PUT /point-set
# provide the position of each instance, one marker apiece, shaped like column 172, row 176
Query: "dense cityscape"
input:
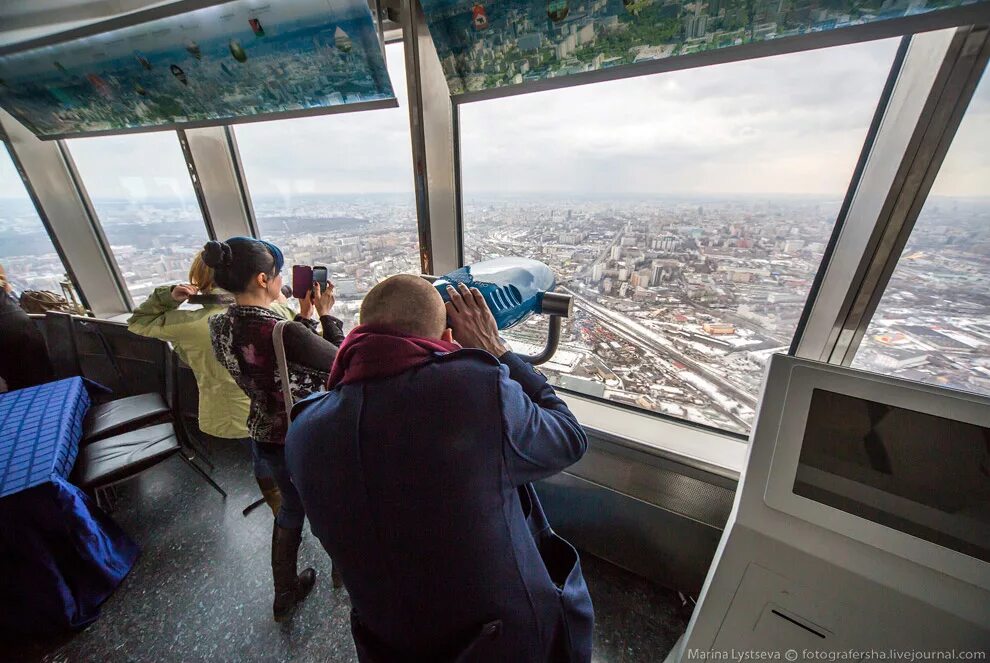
column 360, row 240
column 933, row 322
column 679, row 303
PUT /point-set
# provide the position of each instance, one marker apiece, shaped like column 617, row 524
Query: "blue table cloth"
column 60, row 555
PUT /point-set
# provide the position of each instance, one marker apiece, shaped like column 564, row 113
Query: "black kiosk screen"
column 924, row 475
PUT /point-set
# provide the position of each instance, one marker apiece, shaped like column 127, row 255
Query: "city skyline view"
column 682, row 294
column 688, row 221
column 933, row 321
column 678, row 303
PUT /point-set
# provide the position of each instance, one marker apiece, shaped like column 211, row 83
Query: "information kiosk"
column 860, row 529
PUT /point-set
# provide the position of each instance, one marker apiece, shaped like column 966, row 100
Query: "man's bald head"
column 405, row 303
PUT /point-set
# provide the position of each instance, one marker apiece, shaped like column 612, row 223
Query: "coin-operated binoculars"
column 514, row 289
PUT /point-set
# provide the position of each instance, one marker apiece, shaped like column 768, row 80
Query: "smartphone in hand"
column 320, row 276
column 302, row 281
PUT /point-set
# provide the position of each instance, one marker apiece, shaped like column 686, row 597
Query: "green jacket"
column 223, row 407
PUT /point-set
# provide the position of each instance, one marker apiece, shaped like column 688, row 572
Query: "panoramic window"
column 142, row 194
column 337, row 191
column 687, row 213
column 933, row 321
column 26, row 252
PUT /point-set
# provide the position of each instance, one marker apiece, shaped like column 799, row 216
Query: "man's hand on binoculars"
column 471, row 321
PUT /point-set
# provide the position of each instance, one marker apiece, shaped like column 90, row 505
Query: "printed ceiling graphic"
column 233, row 60
column 485, row 45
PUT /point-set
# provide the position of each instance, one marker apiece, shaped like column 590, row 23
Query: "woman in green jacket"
column 180, row 315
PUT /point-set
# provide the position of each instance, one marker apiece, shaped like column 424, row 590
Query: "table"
column 60, row 555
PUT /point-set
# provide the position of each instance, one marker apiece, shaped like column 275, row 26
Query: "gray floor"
column 201, row 589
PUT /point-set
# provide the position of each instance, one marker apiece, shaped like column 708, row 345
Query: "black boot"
column 290, row 588
column 270, row 493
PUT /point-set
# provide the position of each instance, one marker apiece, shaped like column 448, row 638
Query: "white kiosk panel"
column 861, row 524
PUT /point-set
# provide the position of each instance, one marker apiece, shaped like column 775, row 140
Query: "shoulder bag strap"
column 283, row 366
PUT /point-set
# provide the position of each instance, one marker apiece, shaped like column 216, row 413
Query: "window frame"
column 48, row 174
column 240, row 180
column 435, row 147
column 45, row 223
column 963, row 80
column 94, row 218
column 622, row 427
column 911, row 144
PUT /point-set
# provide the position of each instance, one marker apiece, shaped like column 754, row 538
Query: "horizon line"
column 577, row 194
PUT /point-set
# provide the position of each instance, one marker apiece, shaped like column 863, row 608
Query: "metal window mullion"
column 949, row 100
column 197, row 184
column 922, row 76
column 458, row 191
column 857, row 176
column 242, row 185
column 214, row 168
column 45, row 221
column 421, row 190
column 94, row 222
column 379, row 21
column 432, row 130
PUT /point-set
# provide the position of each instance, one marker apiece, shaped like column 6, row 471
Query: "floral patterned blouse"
column 242, row 342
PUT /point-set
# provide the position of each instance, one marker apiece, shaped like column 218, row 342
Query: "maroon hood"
column 371, row 352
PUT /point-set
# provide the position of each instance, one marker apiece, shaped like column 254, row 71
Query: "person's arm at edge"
column 156, row 316
column 333, row 329
column 308, row 349
column 322, row 302
column 541, row 435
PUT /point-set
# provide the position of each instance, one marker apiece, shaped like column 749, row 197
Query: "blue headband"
column 272, row 249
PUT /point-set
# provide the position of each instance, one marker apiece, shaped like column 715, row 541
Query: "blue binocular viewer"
column 514, row 289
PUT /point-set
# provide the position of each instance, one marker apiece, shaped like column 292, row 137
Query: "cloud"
column 966, row 169
column 136, row 167
column 338, row 154
column 10, row 180
column 789, row 124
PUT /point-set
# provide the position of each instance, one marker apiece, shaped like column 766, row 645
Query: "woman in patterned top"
column 242, row 341
column 223, row 405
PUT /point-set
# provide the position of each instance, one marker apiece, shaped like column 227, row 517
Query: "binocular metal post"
column 555, row 305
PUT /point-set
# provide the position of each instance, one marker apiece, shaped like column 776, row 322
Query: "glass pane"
column 26, row 251
column 140, row 188
column 933, row 321
column 687, row 212
column 337, row 190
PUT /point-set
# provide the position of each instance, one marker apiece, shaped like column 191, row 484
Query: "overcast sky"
column 788, row 124
column 966, row 169
column 346, row 153
column 791, row 124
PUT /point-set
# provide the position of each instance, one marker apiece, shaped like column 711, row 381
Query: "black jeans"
column 292, row 514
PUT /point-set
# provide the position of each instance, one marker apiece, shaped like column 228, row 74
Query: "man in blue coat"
column 415, row 470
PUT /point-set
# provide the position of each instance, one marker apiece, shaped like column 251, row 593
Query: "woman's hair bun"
column 217, row 254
